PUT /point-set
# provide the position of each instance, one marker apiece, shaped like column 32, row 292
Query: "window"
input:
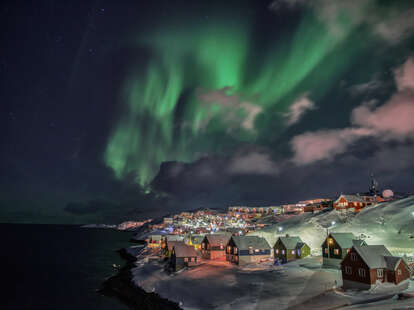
column 250, row 250
column 293, row 252
column 330, row 240
column 277, row 251
column 202, row 245
column 361, row 272
column 185, row 259
column 257, row 250
column 235, row 250
column 348, row 269
column 380, row 273
column 353, row 257
column 326, row 250
column 221, row 247
column 336, row 251
column 283, row 251
column 399, row 272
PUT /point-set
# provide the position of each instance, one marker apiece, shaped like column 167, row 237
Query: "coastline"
column 122, row 287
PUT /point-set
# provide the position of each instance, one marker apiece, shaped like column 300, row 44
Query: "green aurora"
column 165, row 120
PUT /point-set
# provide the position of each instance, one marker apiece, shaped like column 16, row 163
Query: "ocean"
column 58, row 266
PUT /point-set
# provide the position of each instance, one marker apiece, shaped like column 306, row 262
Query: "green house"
column 289, row 248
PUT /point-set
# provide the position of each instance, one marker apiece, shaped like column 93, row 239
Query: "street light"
column 280, row 229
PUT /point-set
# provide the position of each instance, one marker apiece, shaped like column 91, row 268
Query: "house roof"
column 290, row 242
column 351, row 198
column 183, row 250
column 300, row 245
column 346, row 240
column 173, row 238
column 156, row 237
column 374, row 256
column 256, row 242
column 172, row 244
column 392, row 262
column 218, row 239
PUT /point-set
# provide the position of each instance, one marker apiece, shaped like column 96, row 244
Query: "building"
column 195, row 241
column 214, row 246
column 170, row 246
column 367, row 266
column 183, row 256
column 336, row 246
column 243, row 250
column 351, row 203
column 154, row 241
column 168, row 220
column 289, row 248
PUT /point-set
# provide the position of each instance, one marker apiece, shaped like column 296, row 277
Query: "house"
column 195, row 241
column 336, row 246
column 290, row 248
column 243, row 250
column 213, row 246
column 183, row 256
column 367, row 266
column 351, row 202
column 154, row 241
column 168, row 238
column 170, row 246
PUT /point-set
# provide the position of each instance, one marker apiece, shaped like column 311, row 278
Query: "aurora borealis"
column 165, row 120
column 181, row 104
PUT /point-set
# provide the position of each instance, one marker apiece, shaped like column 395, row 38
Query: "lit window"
column 277, row 251
column 361, row 272
column 293, row 252
column 348, row 269
column 235, row 250
column 399, row 272
column 326, row 250
column 283, row 251
column 221, row 247
column 336, row 251
column 186, row 259
column 250, row 250
column 330, row 240
column 380, row 273
column 257, row 250
column 353, row 257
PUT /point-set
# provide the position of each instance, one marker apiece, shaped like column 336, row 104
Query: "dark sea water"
column 57, row 267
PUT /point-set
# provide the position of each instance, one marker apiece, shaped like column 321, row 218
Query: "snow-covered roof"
column 172, row 244
column 351, row 198
column 392, row 262
column 373, row 255
column 218, row 239
column 173, row 238
column 183, row 250
column 244, row 242
column 290, row 243
column 344, row 240
column 156, row 237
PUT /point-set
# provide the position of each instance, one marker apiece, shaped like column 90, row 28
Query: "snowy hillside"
column 391, row 224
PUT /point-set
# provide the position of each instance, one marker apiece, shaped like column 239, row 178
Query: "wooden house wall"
column 342, row 252
column 355, row 265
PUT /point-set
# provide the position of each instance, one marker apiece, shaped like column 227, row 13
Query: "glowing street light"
column 280, row 229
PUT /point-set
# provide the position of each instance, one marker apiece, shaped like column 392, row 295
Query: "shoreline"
column 121, row 287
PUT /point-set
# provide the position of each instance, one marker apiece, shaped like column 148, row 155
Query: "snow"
column 221, row 285
column 390, row 224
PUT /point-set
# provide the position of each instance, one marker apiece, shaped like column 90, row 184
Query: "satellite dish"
column 387, row 193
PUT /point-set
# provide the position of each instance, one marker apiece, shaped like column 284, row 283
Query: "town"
column 261, row 239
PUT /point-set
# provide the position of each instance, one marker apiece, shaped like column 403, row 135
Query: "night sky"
column 116, row 109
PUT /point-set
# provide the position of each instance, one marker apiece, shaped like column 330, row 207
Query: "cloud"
column 253, row 162
column 236, row 112
column 396, row 27
column 324, row 144
column 298, row 109
column 393, row 25
column 394, row 120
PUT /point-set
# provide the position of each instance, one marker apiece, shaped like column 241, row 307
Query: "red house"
column 351, row 202
column 366, row 266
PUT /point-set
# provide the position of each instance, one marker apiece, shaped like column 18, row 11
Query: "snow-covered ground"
column 390, row 224
column 221, row 285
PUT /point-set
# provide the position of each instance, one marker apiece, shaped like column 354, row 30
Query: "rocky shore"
column 121, row 286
